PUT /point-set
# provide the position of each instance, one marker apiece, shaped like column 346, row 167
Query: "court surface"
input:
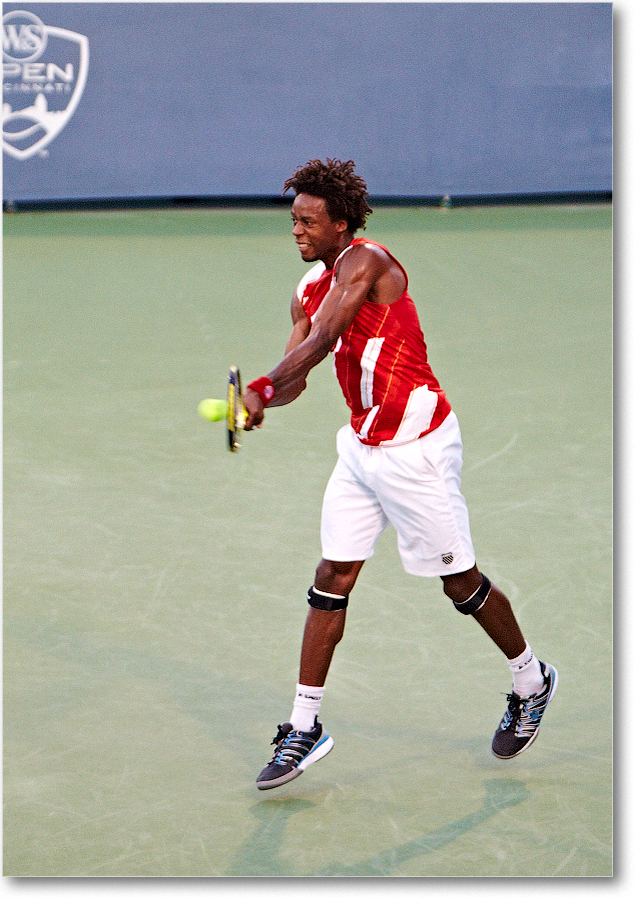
column 155, row 584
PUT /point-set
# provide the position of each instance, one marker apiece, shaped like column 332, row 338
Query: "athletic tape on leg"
column 328, row 602
column 476, row 600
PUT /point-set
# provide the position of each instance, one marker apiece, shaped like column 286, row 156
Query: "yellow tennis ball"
column 213, row 410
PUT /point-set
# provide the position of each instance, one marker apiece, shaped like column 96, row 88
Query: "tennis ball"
column 213, row 410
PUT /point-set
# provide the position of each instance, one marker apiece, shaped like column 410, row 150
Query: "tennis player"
column 399, row 459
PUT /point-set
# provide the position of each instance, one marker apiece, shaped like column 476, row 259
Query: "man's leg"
column 303, row 740
column 324, row 628
column 534, row 682
column 495, row 616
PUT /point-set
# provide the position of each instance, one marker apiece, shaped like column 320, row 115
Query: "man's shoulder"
column 370, row 260
column 363, row 251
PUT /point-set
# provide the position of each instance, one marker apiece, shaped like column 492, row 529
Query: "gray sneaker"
column 295, row 750
column 520, row 724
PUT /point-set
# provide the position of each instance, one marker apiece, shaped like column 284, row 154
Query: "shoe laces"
column 524, row 713
column 291, row 746
column 281, row 734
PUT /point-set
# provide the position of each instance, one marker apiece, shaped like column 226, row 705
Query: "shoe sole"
column 555, row 682
column 321, row 749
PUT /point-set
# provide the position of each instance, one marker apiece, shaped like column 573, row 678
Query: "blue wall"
column 226, row 99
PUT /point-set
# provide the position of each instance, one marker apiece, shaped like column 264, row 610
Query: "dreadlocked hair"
column 344, row 192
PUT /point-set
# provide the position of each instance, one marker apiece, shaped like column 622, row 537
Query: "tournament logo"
column 44, row 75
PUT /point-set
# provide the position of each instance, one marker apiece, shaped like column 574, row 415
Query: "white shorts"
column 416, row 487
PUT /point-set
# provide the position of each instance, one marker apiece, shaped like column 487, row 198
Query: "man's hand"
column 255, row 410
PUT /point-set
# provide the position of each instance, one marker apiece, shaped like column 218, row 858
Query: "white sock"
column 526, row 673
column 306, row 707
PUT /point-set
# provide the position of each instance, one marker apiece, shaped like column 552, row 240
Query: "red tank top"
column 381, row 364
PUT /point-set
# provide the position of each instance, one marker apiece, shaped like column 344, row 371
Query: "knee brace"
column 476, row 600
column 328, row 602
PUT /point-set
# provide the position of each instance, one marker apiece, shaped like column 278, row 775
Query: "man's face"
column 317, row 237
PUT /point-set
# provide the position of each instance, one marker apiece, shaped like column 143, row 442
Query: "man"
column 399, row 459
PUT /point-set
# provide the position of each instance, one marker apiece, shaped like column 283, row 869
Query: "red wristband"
column 264, row 388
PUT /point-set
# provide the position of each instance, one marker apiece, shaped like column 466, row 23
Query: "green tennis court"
column 155, row 584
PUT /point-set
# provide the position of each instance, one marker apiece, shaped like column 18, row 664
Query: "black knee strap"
column 476, row 600
column 328, row 602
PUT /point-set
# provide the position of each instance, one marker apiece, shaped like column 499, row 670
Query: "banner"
column 147, row 100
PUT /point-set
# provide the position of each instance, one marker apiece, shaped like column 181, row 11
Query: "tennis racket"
column 236, row 413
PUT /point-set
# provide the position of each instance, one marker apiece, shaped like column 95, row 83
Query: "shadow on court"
column 259, row 853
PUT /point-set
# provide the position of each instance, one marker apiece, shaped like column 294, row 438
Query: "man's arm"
column 355, row 278
column 300, row 330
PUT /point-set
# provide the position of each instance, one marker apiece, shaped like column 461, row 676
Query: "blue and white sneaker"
column 295, row 750
column 520, row 724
